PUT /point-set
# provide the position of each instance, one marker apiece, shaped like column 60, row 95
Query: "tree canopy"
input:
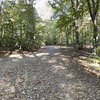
column 73, row 22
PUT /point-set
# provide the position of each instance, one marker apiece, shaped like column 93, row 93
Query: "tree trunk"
column 77, row 32
column 95, row 29
column 0, row 26
column 75, row 6
column 93, row 10
column 78, row 44
column 66, row 35
column 73, row 31
column 20, row 42
column 0, row 14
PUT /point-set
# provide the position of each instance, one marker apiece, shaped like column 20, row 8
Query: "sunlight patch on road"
column 16, row 56
column 29, row 55
column 69, row 76
column 14, row 60
column 57, row 54
column 52, row 61
column 42, row 54
column 59, row 67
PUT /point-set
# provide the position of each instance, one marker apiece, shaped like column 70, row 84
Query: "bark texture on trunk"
column 75, row 6
column 93, row 7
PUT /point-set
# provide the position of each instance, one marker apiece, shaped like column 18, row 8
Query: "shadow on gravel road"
column 50, row 74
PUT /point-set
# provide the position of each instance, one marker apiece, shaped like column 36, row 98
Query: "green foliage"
column 74, row 20
column 92, row 68
column 52, row 33
column 19, row 25
column 97, row 50
column 93, row 59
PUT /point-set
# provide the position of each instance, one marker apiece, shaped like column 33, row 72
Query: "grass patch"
column 98, row 68
column 93, row 59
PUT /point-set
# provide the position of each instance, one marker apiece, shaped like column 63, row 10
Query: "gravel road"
column 50, row 74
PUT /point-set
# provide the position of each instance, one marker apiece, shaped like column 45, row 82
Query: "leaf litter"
column 39, row 79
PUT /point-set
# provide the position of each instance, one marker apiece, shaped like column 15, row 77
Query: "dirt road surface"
column 52, row 73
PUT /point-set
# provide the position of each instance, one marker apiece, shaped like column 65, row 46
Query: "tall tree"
column 93, row 6
column 77, row 8
column 73, row 9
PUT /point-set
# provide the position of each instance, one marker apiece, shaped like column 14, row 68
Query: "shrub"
column 98, row 50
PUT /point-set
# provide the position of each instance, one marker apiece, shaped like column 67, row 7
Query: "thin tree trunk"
column 75, row 6
column 77, row 31
column 66, row 36
column 0, row 14
column 95, row 33
column 81, row 43
column 0, row 26
column 20, row 42
column 73, row 31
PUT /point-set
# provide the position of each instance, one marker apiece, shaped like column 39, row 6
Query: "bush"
column 98, row 50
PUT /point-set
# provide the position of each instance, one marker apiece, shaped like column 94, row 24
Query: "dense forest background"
column 73, row 22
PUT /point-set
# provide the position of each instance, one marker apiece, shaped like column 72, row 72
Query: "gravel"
column 50, row 74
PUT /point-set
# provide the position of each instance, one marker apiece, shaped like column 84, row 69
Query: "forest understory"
column 51, row 73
